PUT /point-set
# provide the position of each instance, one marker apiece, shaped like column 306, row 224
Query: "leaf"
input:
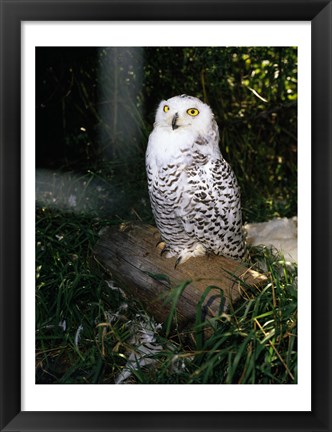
column 199, row 314
column 174, row 297
column 159, row 277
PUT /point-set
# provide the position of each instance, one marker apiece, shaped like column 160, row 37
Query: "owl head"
column 184, row 112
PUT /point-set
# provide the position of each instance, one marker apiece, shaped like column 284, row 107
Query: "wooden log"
column 129, row 253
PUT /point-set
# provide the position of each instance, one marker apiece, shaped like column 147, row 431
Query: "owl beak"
column 174, row 119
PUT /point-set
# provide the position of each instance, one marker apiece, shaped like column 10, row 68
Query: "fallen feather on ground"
column 144, row 345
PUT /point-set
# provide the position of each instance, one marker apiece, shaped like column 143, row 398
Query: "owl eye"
column 166, row 108
column 193, row 112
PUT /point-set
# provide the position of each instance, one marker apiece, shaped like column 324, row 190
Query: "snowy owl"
column 194, row 194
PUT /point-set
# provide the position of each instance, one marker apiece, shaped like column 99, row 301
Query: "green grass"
column 254, row 342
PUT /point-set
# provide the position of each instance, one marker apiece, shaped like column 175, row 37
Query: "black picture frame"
column 319, row 12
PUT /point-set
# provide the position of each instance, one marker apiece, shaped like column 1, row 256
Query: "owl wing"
column 211, row 211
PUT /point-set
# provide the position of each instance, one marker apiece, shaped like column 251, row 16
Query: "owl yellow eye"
column 193, row 112
column 166, row 108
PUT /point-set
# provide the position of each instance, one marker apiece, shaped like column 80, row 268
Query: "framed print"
column 83, row 85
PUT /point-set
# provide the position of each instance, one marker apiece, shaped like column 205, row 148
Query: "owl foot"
column 167, row 252
column 164, row 248
column 177, row 262
column 186, row 254
column 161, row 244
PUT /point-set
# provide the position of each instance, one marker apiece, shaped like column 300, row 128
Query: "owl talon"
column 164, row 250
column 177, row 262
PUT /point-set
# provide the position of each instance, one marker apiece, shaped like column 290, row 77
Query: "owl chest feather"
column 167, row 146
column 168, row 157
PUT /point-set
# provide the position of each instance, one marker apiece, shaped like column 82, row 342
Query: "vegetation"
column 95, row 109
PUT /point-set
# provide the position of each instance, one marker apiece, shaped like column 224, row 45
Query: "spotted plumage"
column 194, row 194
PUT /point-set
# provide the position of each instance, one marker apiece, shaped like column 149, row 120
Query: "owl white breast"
column 193, row 191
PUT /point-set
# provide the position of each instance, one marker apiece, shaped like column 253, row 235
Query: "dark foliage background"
column 95, row 109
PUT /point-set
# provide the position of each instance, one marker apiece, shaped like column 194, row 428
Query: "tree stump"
column 129, row 253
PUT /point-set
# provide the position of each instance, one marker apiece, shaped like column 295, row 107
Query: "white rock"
column 280, row 233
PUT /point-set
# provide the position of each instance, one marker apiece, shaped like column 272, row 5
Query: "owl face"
column 184, row 112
